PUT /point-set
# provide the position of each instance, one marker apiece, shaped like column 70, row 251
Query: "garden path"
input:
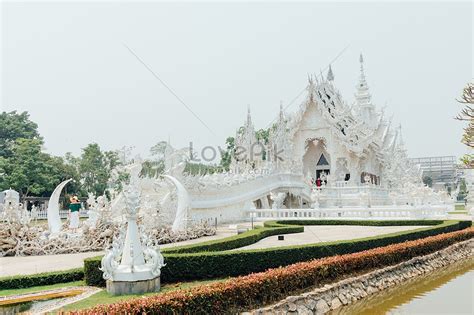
column 11, row 266
column 327, row 233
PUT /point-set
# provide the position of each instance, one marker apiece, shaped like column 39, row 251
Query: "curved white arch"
column 54, row 221
column 180, row 221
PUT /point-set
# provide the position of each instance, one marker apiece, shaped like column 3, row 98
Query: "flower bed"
column 218, row 264
column 262, row 288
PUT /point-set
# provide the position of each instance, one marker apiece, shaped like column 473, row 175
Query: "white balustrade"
column 386, row 212
column 63, row 214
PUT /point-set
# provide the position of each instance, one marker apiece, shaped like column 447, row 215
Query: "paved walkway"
column 10, row 266
column 327, row 233
column 25, row 265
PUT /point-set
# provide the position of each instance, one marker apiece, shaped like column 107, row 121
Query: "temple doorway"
column 316, row 160
column 322, row 168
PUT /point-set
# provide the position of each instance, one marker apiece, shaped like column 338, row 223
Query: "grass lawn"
column 103, row 297
column 459, row 207
column 41, row 288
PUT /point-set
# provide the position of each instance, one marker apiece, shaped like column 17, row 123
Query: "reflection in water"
column 449, row 290
column 30, row 307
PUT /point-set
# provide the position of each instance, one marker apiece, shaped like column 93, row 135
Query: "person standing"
column 74, row 208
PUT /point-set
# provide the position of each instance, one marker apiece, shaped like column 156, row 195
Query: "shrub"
column 208, row 265
column 283, row 227
column 47, row 278
column 258, row 289
column 240, row 240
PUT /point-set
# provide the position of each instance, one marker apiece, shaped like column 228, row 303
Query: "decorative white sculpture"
column 278, row 199
column 181, row 219
column 12, row 209
column 315, row 195
column 127, row 264
column 54, row 221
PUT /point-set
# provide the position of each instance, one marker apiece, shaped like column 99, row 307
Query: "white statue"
column 315, row 195
column 54, row 221
column 278, row 199
column 180, row 221
column 131, row 261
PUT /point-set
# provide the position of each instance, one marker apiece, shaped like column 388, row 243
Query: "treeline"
column 26, row 168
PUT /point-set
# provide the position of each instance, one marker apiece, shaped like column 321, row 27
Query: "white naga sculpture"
column 131, row 261
column 278, row 199
column 54, row 220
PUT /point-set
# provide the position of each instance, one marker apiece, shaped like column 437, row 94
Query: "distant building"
column 442, row 170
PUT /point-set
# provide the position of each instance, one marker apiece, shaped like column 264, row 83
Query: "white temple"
column 354, row 150
column 329, row 159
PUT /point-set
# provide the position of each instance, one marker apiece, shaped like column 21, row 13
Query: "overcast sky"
column 69, row 66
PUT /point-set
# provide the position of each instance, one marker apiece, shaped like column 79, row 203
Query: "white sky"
column 67, row 65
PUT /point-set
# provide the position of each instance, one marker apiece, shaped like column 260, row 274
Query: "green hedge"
column 47, row 278
column 282, row 227
column 241, row 294
column 217, row 264
column 240, row 240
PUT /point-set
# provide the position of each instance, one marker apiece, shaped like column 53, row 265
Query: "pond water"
column 449, row 290
column 28, row 307
column 43, row 301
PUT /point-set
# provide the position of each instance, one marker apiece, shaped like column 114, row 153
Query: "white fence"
column 63, row 214
column 387, row 213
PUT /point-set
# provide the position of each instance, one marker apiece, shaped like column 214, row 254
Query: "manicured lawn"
column 103, row 297
column 41, row 288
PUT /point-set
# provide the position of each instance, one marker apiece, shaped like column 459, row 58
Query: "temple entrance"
column 374, row 179
column 316, row 160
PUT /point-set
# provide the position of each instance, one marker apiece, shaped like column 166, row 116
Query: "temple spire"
column 363, row 96
column 330, row 75
column 400, row 140
column 281, row 112
column 249, row 117
column 364, row 107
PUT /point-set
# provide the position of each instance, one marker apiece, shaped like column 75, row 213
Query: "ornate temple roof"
column 359, row 126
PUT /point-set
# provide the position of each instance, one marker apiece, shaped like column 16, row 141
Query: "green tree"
column 199, row 168
column 29, row 170
column 152, row 168
column 15, row 126
column 467, row 115
column 262, row 135
column 95, row 168
column 226, row 155
column 428, row 181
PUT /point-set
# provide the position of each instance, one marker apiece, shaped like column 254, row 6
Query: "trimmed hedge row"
column 47, row 278
column 208, row 265
column 240, row 240
column 247, row 292
column 282, row 227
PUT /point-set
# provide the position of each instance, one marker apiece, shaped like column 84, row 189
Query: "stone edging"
column 347, row 291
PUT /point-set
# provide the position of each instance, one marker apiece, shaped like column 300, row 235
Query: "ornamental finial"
column 281, row 111
column 361, row 60
column 249, row 117
column 330, row 76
